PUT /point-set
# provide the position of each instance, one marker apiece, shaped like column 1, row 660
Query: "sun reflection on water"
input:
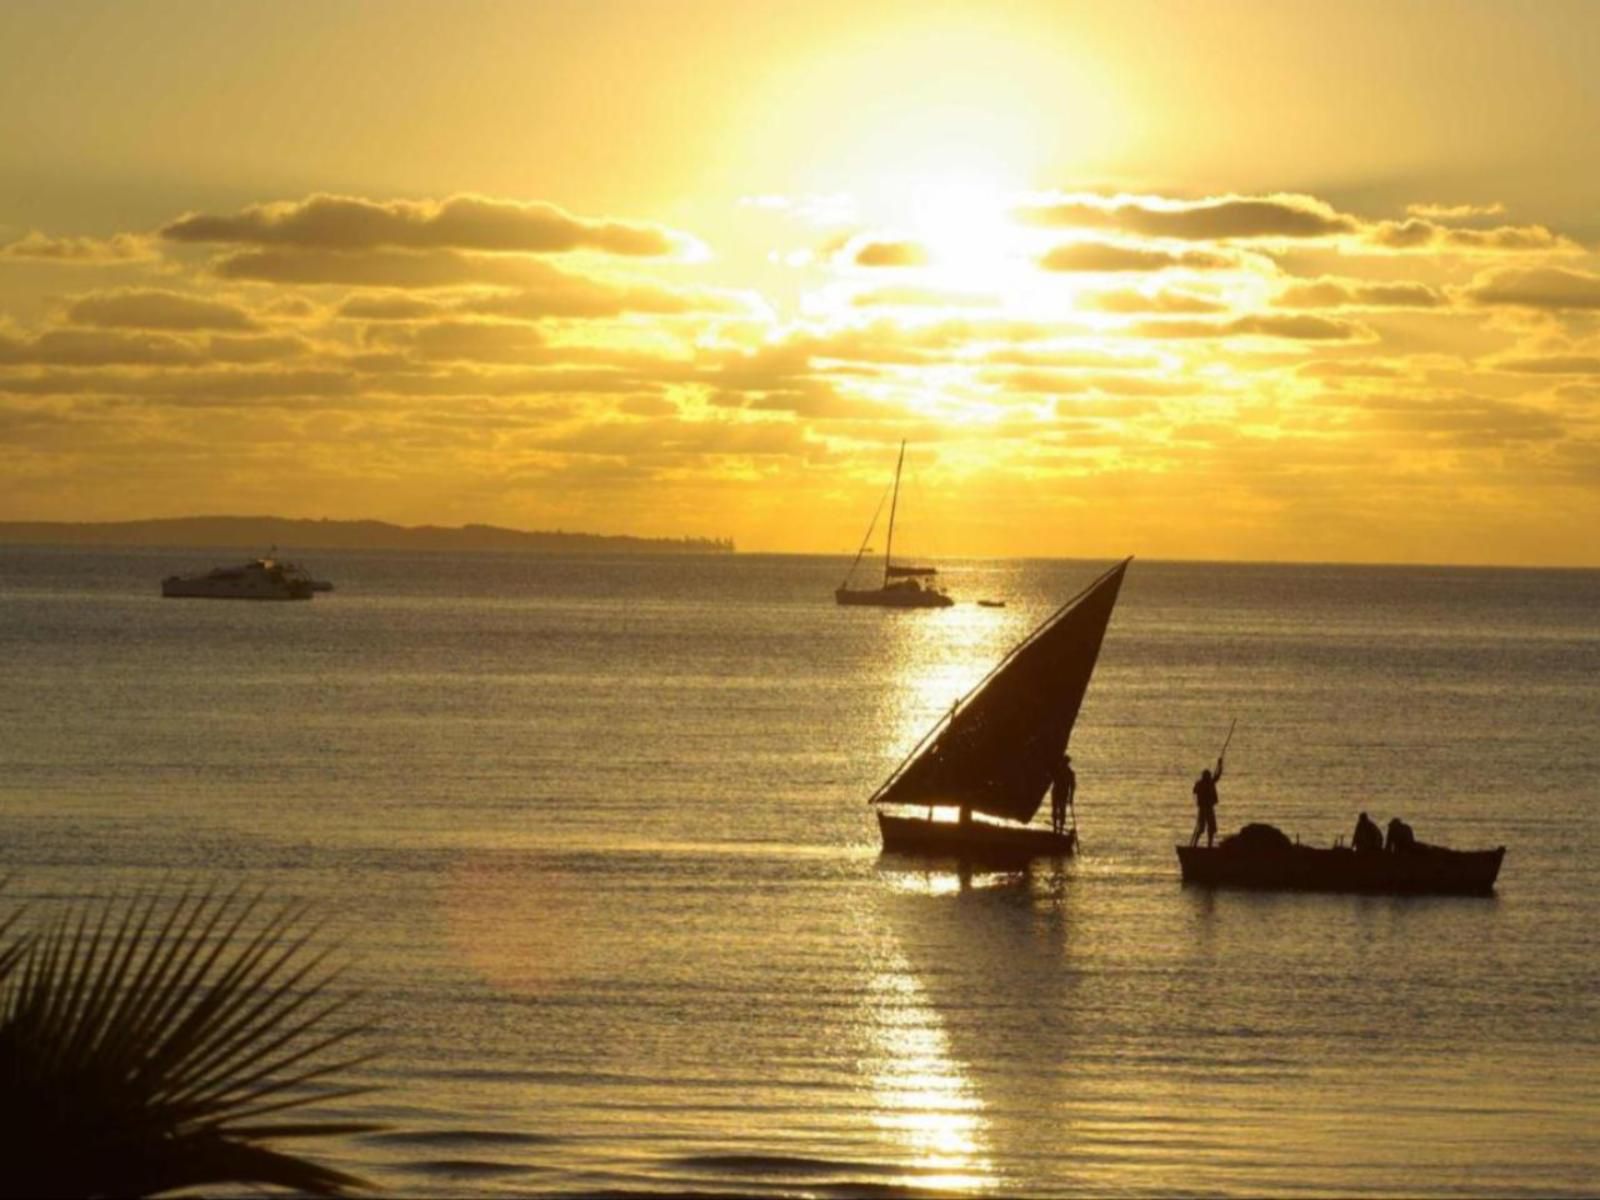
column 923, row 1101
column 937, row 662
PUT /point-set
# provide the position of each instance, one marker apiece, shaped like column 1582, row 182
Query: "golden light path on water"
column 923, row 1101
column 938, row 667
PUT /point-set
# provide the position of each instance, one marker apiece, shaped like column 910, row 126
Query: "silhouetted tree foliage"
column 148, row 1047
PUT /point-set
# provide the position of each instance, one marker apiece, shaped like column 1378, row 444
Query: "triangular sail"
column 996, row 751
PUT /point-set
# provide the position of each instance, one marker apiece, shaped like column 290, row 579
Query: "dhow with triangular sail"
column 995, row 753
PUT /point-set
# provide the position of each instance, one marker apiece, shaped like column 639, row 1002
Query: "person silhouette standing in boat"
column 1063, row 789
column 1205, row 802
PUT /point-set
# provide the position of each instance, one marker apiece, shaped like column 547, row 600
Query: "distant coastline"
column 297, row 535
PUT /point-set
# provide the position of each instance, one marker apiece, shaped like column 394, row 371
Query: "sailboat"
column 902, row 585
column 995, row 751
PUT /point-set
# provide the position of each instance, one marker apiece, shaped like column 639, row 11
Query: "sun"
column 962, row 219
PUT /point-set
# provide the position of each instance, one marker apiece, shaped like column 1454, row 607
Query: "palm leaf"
column 140, row 1052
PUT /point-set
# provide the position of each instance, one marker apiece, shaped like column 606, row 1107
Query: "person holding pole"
column 1206, row 799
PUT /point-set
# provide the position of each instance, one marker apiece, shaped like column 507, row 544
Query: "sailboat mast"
column 888, row 549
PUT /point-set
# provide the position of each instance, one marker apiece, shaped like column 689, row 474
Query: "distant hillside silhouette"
column 300, row 535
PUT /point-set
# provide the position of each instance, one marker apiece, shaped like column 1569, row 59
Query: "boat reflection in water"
column 964, row 957
column 923, row 1101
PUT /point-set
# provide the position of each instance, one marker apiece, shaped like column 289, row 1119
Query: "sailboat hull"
column 893, row 596
column 976, row 842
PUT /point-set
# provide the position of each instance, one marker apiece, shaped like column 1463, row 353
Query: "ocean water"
column 591, row 838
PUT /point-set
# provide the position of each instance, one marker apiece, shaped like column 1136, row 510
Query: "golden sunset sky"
column 1202, row 280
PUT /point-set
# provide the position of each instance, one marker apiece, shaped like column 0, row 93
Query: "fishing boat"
column 903, row 585
column 970, row 787
column 1269, row 860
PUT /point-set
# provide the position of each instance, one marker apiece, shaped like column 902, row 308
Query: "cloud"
column 1071, row 383
column 1304, row 328
column 476, row 341
column 290, row 307
column 1455, row 212
column 913, row 297
column 1290, row 217
column 465, row 380
column 1348, row 369
column 1080, row 357
column 1133, row 301
column 819, row 401
column 646, row 406
column 381, row 268
column 218, row 386
column 1551, row 364
column 669, row 439
column 1554, row 288
column 1463, row 419
column 1417, row 234
column 94, row 348
column 464, row 222
column 389, row 308
column 574, row 296
column 1220, row 218
column 80, row 251
column 555, row 295
column 226, row 349
column 1104, row 256
column 805, row 353
column 1329, row 292
column 891, row 254
column 153, row 308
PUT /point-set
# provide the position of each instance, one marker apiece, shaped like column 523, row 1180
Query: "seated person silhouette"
column 1400, row 840
column 1367, row 837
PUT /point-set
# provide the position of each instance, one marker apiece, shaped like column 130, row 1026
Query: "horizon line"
column 714, row 540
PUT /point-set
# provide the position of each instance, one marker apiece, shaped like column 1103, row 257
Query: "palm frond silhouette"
column 163, row 1047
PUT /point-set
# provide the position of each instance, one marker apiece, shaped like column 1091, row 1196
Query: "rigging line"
column 888, row 549
column 955, row 709
column 876, row 513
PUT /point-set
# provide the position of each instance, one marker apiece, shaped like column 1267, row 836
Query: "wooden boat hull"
column 977, row 842
column 1430, row 870
column 893, row 597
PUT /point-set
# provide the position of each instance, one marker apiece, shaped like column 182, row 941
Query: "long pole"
column 888, row 548
column 1227, row 739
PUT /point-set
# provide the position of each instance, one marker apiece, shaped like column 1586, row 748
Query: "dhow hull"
column 977, row 842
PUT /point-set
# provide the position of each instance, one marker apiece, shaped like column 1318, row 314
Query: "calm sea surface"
column 591, row 833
